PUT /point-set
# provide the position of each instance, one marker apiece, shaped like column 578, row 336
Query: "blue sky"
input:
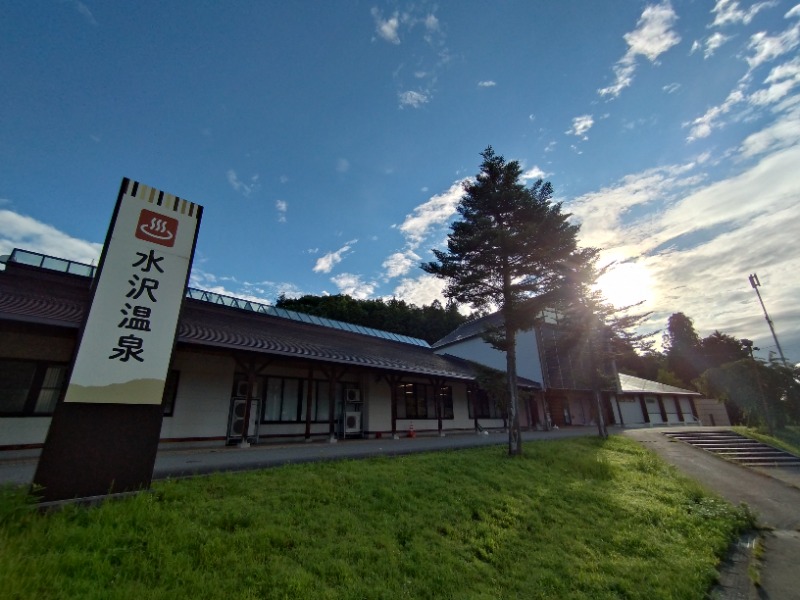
column 328, row 141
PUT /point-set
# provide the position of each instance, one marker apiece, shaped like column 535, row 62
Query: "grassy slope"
column 787, row 439
column 575, row 518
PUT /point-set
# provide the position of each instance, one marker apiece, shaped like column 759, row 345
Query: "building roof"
column 469, row 330
column 631, row 385
column 37, row 295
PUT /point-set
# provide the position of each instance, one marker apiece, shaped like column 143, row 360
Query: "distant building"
column 566, row 397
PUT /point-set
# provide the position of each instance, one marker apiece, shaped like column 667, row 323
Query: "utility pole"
column 748, row 345
column 755, row 283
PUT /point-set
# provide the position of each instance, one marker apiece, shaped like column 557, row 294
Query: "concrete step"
column 736, row 448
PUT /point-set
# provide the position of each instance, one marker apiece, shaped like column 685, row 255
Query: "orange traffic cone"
column 411, row 432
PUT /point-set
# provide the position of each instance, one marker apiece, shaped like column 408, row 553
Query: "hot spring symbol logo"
column 156, row 228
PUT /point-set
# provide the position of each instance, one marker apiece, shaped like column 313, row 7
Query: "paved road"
column 772, row 493
column 19, row 468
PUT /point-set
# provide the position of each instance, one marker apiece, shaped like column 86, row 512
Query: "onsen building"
column 246, row 371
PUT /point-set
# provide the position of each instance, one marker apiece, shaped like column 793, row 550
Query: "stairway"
column 737, row 448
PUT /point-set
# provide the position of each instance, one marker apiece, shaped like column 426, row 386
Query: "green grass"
column 580, row 518
column 787, row 439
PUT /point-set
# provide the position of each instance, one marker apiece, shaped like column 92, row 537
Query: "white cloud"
column 727, row 12
column 702, row 127
column 713, row 43
column 263, row 292
column 533, row 173
column 353, row 285
column 400, row 263
column 326, row 263
column 766, row 47
column 580, row 125
column 26, row 233
column 342, row 165
column 652, row 37
column 782, row 80
column 84, row 11
column 486, row 84
column 421, row 291
column 281, row 206
column 240, row 186
column 413, row 99
column 699, row 242
column 387, row 29
column 671, row 88
column 783, row 133
column 431, row 23
column 432, row 214
column 421, row 30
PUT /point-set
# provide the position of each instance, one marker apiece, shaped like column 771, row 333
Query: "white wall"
column 475, row 349
column 23, row 430
column 204, row 396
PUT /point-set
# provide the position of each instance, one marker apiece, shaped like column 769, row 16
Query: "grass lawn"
column 578, row 518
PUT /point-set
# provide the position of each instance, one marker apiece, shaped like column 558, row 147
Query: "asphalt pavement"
column 184, row 460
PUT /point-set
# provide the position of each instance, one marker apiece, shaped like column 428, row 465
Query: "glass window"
column 482, row 406
column 321, row 406
column 29, row 388
column 52, row 385
column 290, row 406
column 272, row 402
column 418, row 401
column 16, row 379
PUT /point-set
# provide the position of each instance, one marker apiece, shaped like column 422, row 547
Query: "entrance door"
column 653, row 409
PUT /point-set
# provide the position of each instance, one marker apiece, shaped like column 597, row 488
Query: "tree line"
column 757, row 393
column 428, row 322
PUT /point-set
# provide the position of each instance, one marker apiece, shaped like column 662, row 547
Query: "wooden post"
column 677, row 402
column 252, row 370
column 662, row 408
column 393, row 381
column 438, row 383
column 334, row 375
column 644, row 409
column 472, row 392
column 309, row 399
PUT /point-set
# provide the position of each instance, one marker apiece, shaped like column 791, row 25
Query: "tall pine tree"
column 510, row 244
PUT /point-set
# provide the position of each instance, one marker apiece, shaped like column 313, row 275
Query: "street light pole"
column 755, row 283
column 748, row 345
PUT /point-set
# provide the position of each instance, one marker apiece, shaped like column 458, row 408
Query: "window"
column 170, row 392
column 481, row 406
column 284, row 399
column 30, row 388
column 418, row 401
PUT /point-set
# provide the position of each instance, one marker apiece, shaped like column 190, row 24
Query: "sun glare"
column 625, row 284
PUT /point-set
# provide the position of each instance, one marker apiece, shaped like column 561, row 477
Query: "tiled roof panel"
column 211, row 326
column 61, row 300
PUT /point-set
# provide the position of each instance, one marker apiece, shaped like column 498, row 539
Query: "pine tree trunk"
column 514, row 432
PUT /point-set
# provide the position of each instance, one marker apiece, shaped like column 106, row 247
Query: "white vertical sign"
column 127, row 341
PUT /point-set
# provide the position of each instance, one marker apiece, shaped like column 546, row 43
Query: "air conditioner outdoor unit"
column 352, row 422
column 352, row 395
column 236, row 420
